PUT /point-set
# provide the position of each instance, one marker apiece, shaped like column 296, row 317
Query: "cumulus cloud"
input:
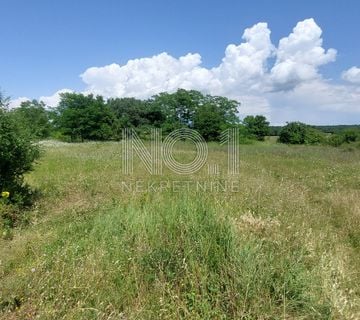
column 282, row 82
column 244, row 68
column 145, row 77
column 17, row 102
column 299, row 56
column 317, row 102
column 53, row 100
column 352, row 75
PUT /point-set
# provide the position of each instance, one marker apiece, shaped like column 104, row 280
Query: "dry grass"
column 285, row 246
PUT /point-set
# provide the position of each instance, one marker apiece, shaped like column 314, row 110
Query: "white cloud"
column 17, row 102
column 53, row 100
column 290, row 88
column 352, row 75
column 253, row 105
column 244, row 66
column 317, row 101
column 243, row 72
column 299, row 56
column 145, row 77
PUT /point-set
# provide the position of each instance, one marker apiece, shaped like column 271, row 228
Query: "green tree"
column 84, row 117
column 257, row 126
column 300, row 133
column 34, row 118
column 209, row 122
column 132, row 112
column 189, row 108
column 178, row 107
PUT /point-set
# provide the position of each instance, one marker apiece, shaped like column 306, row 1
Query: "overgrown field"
column 285, row 245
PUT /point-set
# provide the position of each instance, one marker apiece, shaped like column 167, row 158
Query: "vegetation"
column 83, row 117
column 257, row 126
column 17, row 154
column 88, row 118
column 300, row 133
column 286, row 245
column 34, row 119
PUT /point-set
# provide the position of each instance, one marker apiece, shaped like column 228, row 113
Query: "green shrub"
column 257, row 126
column 17, row 154
column 351, row 135
column 82, row 117
column 336, row 140
column 347, row 136
column 300, row 133
column 33, row 117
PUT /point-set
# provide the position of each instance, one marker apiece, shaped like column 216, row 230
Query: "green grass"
column 285, row 246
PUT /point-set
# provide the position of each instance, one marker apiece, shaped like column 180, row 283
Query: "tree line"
column 80, row 117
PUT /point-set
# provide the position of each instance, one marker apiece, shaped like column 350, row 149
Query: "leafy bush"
column 83, row 117
column 33, row 118
column 351, row 135
column 257, row 126
column 300, row 133
column 347, row 136
column 335, row 140
column 17, row 154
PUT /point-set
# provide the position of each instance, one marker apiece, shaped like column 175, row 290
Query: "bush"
column 83, row 117
column 347, row 136
column 336, row 140
column 351, row 135
column 33, row 118
column 300, row 133
column 17, row 155
column 257, row 126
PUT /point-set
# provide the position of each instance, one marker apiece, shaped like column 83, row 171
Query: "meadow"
column 284, row 245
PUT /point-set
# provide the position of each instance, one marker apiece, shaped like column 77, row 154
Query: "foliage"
column 345, row 136
column 338, row 129
column 351, row 135
column 135, row 113
column 205, row 113
column 84, row 117
column 87, row 118
column 17, row 155
column 300, row 133
column 33, row 118
column 179, row 107
column 257, row 126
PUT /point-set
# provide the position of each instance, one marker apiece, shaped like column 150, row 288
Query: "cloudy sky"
column 286, row 60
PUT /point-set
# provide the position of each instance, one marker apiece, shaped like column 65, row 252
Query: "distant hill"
column 275, row 130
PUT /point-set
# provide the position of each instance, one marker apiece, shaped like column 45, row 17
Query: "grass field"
column 285, row 245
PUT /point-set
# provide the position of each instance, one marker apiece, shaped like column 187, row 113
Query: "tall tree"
column 190, row 108
column 34, row 118
column 257, row 126
column 84, row 117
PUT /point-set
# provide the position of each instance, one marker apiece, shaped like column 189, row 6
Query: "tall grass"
column 284, row 247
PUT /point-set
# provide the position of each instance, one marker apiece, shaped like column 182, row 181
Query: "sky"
column 287, row 60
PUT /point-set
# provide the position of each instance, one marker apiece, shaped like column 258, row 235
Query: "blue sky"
column 47, row 45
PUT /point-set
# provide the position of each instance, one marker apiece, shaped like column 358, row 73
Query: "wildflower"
column 5, row 194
